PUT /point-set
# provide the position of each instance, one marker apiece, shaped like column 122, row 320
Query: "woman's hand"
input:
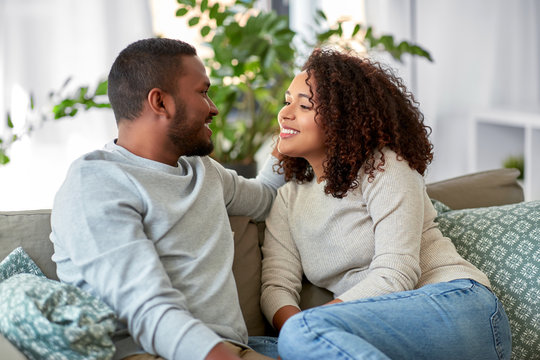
column 335, row 301
column 221, row 352
column 282, row 315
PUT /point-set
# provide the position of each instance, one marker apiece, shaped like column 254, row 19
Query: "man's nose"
column 213, row 108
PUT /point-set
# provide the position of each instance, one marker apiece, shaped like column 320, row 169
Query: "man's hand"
column 275, row 151
column 221, row 352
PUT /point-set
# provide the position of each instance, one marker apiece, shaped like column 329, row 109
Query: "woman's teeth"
column 289, row 131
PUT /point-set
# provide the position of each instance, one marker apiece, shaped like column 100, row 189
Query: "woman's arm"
column 281, row 266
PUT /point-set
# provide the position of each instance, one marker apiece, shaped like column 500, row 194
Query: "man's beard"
column 186, row 137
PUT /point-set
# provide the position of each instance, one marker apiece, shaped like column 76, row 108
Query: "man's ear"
column 160, row 102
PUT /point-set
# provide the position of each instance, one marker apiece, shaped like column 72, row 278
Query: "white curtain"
column 487, row 55
column 42, row 43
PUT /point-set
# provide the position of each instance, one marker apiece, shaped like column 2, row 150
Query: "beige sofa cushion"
column 481, row 189
column 30, row 230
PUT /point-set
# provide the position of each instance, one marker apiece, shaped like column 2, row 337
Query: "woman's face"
column 300, row 136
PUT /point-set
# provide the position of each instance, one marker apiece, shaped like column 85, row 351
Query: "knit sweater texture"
column 381, row 238
column 154, row 242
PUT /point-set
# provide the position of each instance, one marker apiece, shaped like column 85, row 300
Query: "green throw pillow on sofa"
column 18, row 262
column 504, row 242
column 47, row 319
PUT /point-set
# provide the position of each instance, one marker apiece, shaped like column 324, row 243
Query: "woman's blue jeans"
column 460, row 319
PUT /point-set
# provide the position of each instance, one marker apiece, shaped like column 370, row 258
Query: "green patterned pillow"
column 47, row 319
column 504, row 242
column 18, row 262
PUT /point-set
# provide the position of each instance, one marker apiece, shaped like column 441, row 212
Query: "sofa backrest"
column 29, row 230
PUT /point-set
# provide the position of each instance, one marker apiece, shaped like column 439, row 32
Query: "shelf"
column 497, row 134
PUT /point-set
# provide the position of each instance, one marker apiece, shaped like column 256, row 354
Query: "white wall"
column 42, row 43
column 487, row 55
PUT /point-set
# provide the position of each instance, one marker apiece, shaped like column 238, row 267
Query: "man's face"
column 188, row 130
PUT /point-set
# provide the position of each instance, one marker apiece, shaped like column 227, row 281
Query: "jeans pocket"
column 501, row 332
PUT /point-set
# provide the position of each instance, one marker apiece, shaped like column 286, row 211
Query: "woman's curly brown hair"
column 361, row 108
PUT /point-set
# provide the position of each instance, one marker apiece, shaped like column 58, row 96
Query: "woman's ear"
column 160, row 102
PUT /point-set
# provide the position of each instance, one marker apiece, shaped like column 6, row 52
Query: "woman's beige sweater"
column 380, row 238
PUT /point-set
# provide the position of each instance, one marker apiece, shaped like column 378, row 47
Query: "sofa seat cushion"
column 504, row 242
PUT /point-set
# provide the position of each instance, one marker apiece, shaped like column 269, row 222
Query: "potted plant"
column 253, row 62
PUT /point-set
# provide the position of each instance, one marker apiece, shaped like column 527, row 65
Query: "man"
column 143, row 224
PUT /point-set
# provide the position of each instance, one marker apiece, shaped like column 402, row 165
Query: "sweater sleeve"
column 97, row 220
column 395, row 202
column 250, row 197
column 281, row 266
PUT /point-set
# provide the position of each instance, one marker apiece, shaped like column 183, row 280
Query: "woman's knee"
column 295, row 336
column 301, row 334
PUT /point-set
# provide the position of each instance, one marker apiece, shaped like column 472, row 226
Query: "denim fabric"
column 265, row 345
column 460, row 319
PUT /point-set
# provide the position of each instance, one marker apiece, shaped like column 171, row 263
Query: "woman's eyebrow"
column 299, row 95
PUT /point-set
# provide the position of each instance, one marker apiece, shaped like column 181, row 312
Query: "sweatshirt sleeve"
column 395, row 202
column 97, row 220
column 250, row 197
column 281, row 266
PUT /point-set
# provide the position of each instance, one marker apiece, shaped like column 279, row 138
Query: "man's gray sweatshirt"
column 154, row 242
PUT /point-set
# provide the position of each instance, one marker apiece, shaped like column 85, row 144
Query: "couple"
column 143, row 223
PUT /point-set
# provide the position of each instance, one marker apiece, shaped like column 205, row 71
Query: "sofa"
column 483, row 213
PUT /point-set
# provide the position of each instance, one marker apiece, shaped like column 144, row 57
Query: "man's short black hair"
column 142, row 66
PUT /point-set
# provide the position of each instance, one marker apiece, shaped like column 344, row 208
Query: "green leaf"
column 322, row 37
column 204, row 5
column 102, row 106
column 193, row 21
column 387, row 41
column 213, row 11
column 220, row 18
column 321, row 14
column 245, row 3
column 82, row 93
column 357, row 28
column 102, row 88
column 9, row 122
column 4, row 159
column 417, row 50
column 181, row 12
column 205, row 30
column 369, row 34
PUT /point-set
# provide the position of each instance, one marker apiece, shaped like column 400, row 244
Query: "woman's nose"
column 286, row 114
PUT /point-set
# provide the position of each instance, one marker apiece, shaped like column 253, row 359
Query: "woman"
column 355, row 218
